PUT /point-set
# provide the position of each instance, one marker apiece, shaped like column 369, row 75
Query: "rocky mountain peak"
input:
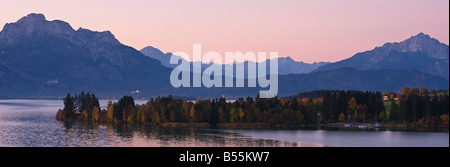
column 32, row 17
column 420, row 52
column 421, row 43
column 288, row 59
column 36, row 25
column 105, row 36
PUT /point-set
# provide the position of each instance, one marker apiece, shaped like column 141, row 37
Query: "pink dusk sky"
column 306, row 30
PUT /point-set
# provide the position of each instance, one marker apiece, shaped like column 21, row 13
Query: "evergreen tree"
column 394, row 114
column 69, row 107
column 403, row 110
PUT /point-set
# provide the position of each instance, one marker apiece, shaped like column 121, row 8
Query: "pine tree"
column 69, row 107
column 221, row 115
column 394, row 114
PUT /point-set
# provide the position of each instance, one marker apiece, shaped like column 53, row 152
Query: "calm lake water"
column 32, row 123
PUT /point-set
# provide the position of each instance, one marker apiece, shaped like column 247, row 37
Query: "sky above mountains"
column 306, row 30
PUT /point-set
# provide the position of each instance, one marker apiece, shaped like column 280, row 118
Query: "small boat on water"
column 362, row 126
column 377, row 125
column 347, row 125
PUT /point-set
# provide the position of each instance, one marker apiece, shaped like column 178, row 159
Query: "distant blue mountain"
column 289, row 66
column 420, row 52
column 42, row 58
column 286, row 65
column 364, row 80
column 157, row 54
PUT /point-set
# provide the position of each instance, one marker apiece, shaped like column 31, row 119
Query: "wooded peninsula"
column 414, row 107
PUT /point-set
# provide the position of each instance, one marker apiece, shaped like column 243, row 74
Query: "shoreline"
column 266, row 126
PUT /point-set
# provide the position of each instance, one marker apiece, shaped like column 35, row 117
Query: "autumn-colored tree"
column 265, row 116
column 433, row 92
column 234, row 116
column 84, row 116
column 157, row 118
column 299, row 101
column 148, row 113
column 221, row 115
column 138, row 114
column 241, row 113
column 414, row 91
column 124, row 115
column 61, row 115
column 192, row 114
column 172, row 115
column 299, row 116
column 284, row 102
column 187, row 114
column 444, row 119
column 341, row 117
column 110, row 113
column 162, row 117
column 405, row 91
column 421, row 121
column 95, row 114
column 132, row 117
column 352, row 107
column 362, row 110
column 305, row 100
column 392, row 96
column 424, row 91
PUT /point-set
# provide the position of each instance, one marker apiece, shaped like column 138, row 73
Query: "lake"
column 32, row 123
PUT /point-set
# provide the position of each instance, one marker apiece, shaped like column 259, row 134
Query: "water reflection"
column 32, row 123
column 345, row 129
column 142, row 135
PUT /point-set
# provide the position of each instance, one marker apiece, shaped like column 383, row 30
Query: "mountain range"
column 286, row 65
column 49, row 58
column 420, row 52
column 40, row 57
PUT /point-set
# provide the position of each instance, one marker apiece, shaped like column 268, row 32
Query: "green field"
column 443, row 93
column 387, row 106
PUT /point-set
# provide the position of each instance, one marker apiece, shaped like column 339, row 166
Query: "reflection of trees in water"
column 123, row 130
column 68, row 124
column 116, row 134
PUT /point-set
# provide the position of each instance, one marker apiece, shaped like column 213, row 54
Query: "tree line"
column 421, row 107
column 80, row 107
column 332, row 107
